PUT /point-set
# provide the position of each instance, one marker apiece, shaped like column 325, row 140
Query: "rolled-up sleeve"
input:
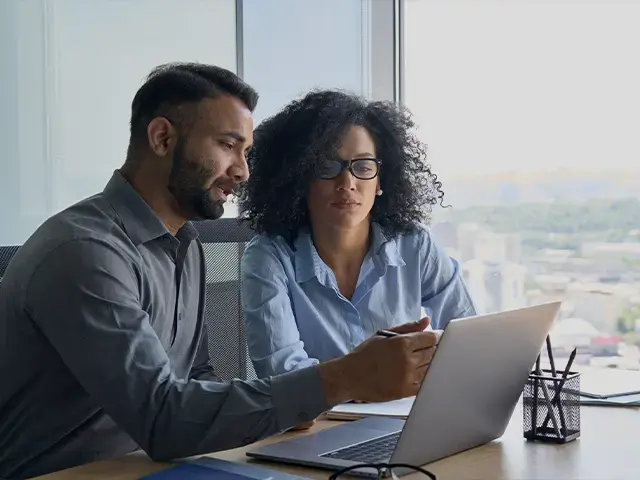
column 444, row 294
column 94, row 320
column 272, row 333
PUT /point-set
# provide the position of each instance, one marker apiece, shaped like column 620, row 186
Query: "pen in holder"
column 551, row 406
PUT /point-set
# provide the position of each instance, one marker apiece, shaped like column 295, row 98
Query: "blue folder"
column 625, row 400
column 195, row 472
column 206, row 468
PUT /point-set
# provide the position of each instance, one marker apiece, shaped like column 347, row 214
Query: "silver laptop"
column 466, row 399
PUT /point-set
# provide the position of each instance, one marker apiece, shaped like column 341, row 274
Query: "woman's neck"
column 343, row 250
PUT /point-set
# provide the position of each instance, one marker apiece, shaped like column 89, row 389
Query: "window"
column 529, row 110
column 70, row 70
column 290, row 47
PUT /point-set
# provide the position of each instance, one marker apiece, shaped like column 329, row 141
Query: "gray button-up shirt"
column 103, row 347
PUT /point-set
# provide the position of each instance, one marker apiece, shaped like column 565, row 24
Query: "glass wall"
column 530, row 111
column 290, row 47
column 304, row 45
column 69, row 71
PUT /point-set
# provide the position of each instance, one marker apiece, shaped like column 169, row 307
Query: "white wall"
column 69, row 70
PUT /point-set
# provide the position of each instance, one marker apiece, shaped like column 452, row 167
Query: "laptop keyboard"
column 372, row 451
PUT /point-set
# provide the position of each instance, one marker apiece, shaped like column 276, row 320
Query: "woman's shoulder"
column 262, row 248
column 418, row 236
column 421, row 242
column 263, row 243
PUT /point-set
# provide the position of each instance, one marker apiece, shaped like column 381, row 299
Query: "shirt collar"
column 384, row 252
column 140, row 222
column 308, row 262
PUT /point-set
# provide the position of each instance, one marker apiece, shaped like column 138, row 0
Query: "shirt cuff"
column 298, row 396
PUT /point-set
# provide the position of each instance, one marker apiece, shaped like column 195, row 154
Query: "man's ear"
column 161, row 135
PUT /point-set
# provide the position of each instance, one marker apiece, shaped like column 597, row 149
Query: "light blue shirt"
column 296, row 316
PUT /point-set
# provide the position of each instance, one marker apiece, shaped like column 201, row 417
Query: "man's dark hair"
column 289, row 146
column 172, row 85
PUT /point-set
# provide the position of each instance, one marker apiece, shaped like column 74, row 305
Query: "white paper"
column 396, row 408
column 606, row 381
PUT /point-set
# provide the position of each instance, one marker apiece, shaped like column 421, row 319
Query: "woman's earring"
column 379, row 192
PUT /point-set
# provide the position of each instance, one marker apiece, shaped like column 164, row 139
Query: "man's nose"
column 240, row 170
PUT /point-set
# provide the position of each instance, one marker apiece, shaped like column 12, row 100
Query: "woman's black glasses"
column 384, row 470
column 361, row 168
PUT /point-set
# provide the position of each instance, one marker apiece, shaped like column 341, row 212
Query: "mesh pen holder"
column 551, row 407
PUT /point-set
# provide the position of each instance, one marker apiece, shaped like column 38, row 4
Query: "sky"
column 525, row 85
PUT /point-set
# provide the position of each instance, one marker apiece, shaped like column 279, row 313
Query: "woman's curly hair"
column 289, row 146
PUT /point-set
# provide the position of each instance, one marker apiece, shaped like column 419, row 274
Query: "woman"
column 338, row 190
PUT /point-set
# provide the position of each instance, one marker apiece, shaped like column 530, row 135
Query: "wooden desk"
column 608, row 449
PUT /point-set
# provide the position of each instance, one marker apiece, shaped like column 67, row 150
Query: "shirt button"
column 180, row 316
column 303, row 417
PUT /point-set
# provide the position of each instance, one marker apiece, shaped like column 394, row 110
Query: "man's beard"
column 187, row 184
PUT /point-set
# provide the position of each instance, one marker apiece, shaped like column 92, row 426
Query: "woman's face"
column 345, row 201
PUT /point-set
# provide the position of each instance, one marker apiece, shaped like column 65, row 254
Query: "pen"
column 550, row 353
column 387, row 333
column 547, row 397
column 545, row 391
column 569, row 363
column 534, row 420
column 558, row 388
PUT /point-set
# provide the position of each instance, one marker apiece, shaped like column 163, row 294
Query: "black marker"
column 387, row 333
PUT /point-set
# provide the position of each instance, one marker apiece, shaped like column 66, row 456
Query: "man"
column 102, row 344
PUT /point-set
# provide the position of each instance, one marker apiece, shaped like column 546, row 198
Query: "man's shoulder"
column 87, row 226
column 92, row 219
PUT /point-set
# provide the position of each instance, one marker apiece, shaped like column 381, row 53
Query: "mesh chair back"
column 223, row 243
column 6, row 254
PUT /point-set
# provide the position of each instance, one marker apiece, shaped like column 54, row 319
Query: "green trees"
column 556, row 217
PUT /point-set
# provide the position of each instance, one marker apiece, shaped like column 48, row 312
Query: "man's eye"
column 227, row 145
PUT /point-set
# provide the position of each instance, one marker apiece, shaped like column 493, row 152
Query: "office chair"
column 6, row 254
column 223, row 243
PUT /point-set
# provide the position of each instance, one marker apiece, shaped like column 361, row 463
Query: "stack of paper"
column 356, row 411
column 609, row 387
column 606, row 382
